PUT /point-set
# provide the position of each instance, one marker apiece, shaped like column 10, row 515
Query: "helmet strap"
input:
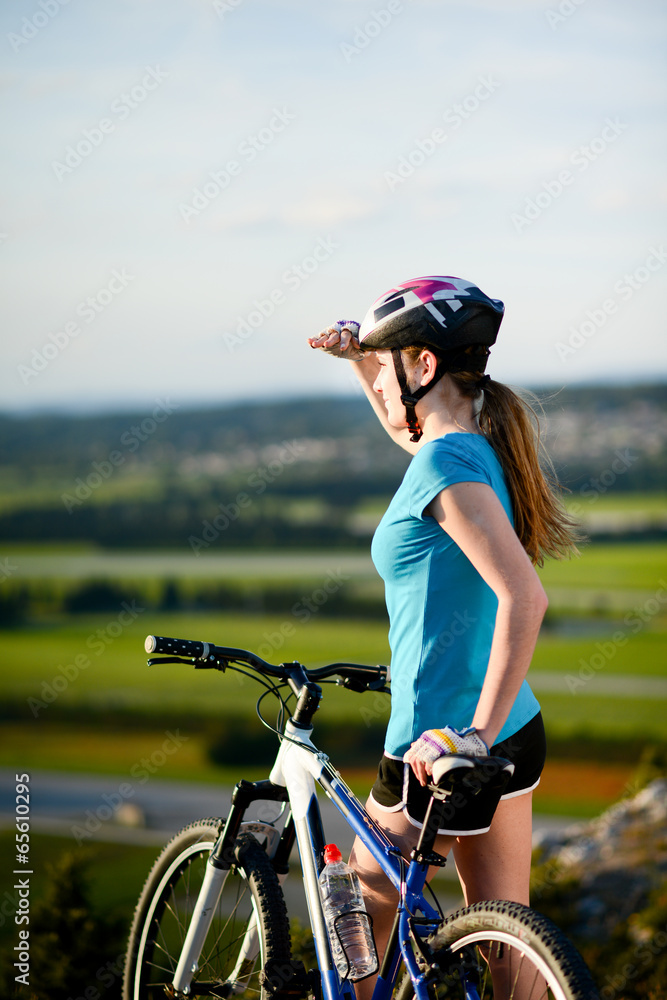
column 410, row 397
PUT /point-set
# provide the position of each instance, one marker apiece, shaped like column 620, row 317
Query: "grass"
column 573, row 715
column 620, row 503
column 628, row 566
column 127, row 483
column 117, row 896
column 57, row 746
column 111, row 665
column 117, row 674
column 643, row 653
column 571, row 788
column 110, row 673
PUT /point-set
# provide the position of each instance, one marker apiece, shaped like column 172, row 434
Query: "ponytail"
column 511, row 425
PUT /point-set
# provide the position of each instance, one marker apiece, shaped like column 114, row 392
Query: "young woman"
column 456, row 549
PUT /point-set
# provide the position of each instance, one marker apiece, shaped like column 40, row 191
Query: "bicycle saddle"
column 474, row 774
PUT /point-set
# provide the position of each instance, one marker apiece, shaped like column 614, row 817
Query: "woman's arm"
column 474, row 518
column 366, row 369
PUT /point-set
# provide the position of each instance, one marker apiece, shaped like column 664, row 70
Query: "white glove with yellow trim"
column 436, row 743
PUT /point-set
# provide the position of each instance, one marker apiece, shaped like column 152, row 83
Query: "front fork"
column 221, row 859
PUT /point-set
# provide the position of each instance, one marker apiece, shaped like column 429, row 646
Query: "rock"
column 609, row 865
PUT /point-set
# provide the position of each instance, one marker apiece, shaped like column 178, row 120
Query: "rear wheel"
column 249, row 929
column 503, row 951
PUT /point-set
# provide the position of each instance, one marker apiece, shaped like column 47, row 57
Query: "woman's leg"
column 380, row 897
column 496, row 865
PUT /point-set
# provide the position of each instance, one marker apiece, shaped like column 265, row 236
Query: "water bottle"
column 350, row 936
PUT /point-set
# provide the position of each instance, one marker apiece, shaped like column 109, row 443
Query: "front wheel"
column 503, row 951
column 249, row 929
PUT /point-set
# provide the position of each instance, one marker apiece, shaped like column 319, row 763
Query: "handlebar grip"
column 177, row 647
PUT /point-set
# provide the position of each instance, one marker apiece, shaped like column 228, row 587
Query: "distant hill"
column 297, row 472
column 49, row 439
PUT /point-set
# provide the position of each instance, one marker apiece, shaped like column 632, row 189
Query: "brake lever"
column 190, row 661
column 354, row 684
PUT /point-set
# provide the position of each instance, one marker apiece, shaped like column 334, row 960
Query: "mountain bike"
column 211, row 920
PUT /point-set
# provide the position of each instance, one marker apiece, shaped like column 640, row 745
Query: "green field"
column 117, row 674
column 612, row 567
column 79, row 697
column 59, row 665
column 626, row 565
column 47, row 674
column 82, row 658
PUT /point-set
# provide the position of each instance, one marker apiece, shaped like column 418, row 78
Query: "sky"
column 190, row 188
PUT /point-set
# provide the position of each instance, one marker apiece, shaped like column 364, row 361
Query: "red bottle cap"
column 331, row 853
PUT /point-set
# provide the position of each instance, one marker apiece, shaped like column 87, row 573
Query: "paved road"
column 90, row 807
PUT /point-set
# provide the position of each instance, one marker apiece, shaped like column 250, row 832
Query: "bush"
column 94, row 596
column 72, row 949
column 239, row 740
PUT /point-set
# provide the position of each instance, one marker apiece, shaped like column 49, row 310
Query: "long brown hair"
column 512, row 426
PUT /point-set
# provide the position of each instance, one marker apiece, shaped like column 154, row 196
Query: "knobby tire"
column 532, row 958
column 161, row 919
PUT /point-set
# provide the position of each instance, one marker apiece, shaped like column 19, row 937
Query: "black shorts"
column 396, row 787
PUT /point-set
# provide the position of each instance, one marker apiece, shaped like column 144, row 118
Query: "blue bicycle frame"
column 298, row 766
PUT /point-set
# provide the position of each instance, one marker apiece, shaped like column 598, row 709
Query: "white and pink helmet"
column 444, row 313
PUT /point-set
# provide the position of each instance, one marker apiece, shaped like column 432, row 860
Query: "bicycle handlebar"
column 356, row 676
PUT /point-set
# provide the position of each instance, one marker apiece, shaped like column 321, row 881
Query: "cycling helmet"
column 445, row 314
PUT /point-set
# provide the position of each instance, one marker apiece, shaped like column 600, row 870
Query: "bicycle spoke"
column 516, row 978
column 230, row 959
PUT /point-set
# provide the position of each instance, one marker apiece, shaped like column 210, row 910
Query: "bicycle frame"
column 292, row 779
column 298, row 770
column 299, row 765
